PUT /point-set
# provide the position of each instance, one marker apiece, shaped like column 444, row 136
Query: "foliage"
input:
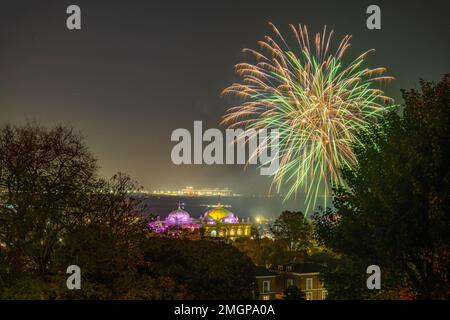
column 265, row 252
column 211, row 270
column 294, row 230
column 395, row 209
column 292, row 239
column 44, row 175
column 293, row 293
column 55, row 212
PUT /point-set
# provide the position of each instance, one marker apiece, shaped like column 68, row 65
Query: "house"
column 266, row 281
column 305, row 276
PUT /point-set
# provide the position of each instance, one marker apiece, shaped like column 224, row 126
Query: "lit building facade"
column 218, row 222
column 176, row 221
column 307, row 277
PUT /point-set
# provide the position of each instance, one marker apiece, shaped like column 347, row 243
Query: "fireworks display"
column 316, row 100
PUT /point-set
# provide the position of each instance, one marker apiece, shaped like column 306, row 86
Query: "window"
column 265, row 297
column 289, row 268
column 309, row 283
column 324, row 294
column 280, row 268
column 266, row 286
column 289, row 283
column 213, row 233
column 309, row 296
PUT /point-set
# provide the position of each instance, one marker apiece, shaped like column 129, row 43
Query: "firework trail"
column 316, row 101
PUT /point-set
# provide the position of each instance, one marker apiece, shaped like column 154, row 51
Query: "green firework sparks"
column 316, row 101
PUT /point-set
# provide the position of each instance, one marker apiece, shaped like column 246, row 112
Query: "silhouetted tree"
column 265, row 252
column 210, row 269
column 395, row 211
column 293, row 293
column 294, row 230
column 44, row 176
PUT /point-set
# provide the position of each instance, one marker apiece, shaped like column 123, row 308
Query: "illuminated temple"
column 218, row 222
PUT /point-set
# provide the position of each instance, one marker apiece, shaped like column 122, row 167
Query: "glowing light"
column 231, row 218
column 181, row 219
column 316, row 101
column 219, row 214
column 191, row 192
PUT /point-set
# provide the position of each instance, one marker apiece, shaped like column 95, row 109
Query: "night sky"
column 139, row 69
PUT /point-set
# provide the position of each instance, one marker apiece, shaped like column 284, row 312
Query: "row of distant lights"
column 197, row 193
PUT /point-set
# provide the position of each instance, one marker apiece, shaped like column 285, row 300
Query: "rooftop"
column 263, row 272
column 306, row 267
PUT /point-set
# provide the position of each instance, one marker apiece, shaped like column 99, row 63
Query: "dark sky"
column 139, row 69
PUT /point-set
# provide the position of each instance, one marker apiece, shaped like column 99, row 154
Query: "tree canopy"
column 395, row 208
column 210, row 269
column 55, row 211
column 294, row 230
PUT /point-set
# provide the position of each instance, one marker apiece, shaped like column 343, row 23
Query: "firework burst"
column 316, row 101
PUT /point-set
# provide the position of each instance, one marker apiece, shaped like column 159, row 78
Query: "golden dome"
column 217, row 213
